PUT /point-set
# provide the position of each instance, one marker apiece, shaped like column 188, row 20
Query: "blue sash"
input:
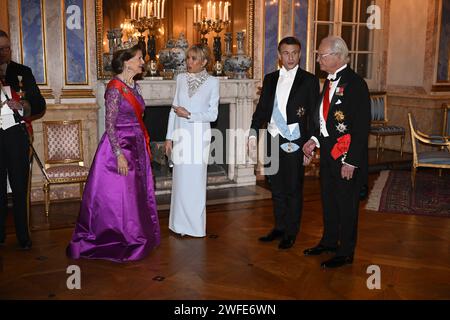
column 284, row 130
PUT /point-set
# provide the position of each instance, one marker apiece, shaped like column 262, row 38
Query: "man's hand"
column 308, row 148
column 14, row 105
column 347, row 171
column 307, row 160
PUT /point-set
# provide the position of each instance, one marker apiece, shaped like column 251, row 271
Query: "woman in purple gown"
column 118, row 219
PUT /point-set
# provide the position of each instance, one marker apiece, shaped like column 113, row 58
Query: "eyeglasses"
column 4, row 48
column 321, row 56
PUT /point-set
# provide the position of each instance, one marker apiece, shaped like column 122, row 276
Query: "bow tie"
column 333, row 78
column 286, row 74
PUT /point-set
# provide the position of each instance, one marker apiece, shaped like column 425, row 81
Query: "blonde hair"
column 202, row 52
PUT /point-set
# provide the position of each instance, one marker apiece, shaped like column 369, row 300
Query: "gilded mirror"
column 179, row 17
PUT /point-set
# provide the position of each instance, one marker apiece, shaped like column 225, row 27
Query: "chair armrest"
column 445, row 140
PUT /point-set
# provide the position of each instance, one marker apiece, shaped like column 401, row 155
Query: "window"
column 347, row 19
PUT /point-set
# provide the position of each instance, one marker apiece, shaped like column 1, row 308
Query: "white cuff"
column 316, row 141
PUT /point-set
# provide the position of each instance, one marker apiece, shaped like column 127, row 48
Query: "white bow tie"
column 286, row 74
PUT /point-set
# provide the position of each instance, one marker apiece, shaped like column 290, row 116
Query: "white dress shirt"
column 333, row 85
column 284, row 86
column 7, row 115
column 323, row 124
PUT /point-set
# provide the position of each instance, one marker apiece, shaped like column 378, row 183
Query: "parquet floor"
column 412, row 252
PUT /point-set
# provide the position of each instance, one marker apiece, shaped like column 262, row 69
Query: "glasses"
column 4, row 48
column 321, row 56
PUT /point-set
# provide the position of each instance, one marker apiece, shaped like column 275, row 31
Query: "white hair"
column 338, row 46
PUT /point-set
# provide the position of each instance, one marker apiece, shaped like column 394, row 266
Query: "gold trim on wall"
column 250, row 31
column 44, row 51
column 77, row 93
column 47, row 93
column 99, row 38
column 63, row 15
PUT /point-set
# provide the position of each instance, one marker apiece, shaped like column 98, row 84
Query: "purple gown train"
column 118, row 219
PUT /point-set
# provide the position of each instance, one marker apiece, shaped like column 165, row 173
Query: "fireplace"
column 155, row 119
column 237, row 98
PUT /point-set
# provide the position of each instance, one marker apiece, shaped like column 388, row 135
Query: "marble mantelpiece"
column 240, row 95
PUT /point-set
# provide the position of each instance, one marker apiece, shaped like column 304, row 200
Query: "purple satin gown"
column 118, row 220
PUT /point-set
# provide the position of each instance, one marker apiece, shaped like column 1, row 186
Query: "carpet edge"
column 373, row 203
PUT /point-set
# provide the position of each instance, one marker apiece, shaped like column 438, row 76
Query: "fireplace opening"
column 155, row 119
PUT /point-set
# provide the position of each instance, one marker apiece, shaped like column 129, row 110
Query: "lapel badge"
column 301, row 112
column 341, row 127
column 125, row 90
column 339, row 116
column 339, row 91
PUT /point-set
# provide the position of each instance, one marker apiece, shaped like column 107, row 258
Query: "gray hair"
column 338, row 46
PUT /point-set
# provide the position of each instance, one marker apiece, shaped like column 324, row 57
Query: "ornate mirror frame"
column 100, row 30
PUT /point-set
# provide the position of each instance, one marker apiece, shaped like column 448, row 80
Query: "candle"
column 220, row 10
column 154, row 8
column 144, row 8
column 214, row 11
column 199, row 13
column 158, row 10
column 139, row 11
column 195, row 13
column 162, row 9
column 208, row 10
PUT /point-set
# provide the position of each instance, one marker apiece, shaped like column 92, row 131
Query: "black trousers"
column 340, row 202
column 15, row 161
column 287, row 185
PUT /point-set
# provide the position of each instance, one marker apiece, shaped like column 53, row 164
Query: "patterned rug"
column 393, row 193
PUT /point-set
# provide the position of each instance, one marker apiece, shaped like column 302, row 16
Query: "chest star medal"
column 125, row 90
column 341, row 127
column 300, row 112
column 339, row 116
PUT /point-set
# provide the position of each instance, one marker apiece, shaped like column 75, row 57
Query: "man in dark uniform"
column 288, row 99
column 14, row 141
column 342, row 128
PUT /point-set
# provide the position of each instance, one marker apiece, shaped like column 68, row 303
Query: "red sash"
column 341, row 147
column 131, row 98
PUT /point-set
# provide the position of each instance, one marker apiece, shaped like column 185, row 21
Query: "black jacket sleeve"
column 32, row 93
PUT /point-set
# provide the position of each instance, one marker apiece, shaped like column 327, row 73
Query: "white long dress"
column 191, row 140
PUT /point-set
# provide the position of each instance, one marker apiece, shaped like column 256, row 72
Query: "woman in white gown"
column 188, row 137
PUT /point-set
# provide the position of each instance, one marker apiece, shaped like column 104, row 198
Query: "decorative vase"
column 239, row 63
column 179, row 54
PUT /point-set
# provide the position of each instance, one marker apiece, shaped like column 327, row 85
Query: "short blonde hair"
column 200, row 51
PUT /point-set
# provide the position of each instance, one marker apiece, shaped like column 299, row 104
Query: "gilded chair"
column 63, row 156
column 379, row 122
column 439, row 159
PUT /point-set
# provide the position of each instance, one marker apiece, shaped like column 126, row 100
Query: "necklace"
column 129, row 83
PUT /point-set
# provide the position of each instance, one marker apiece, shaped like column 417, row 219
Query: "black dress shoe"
column 337, row 262
column 26, row 245
column 2, row 241
column 274, row 234
column 319, row 249
column 287, row 242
